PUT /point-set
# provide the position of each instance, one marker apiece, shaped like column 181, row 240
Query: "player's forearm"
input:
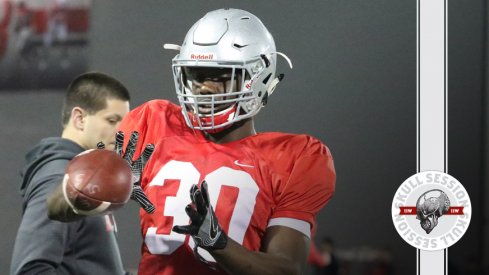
column 59, row 209
column 235, row 259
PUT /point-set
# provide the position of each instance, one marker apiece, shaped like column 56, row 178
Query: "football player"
column 253, row 196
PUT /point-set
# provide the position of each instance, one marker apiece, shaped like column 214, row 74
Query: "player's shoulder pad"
column 300, row 143
column 154, row 108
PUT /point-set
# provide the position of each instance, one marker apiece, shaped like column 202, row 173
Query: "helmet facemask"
column 214, row 96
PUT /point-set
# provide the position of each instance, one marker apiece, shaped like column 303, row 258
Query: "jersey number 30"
column 174, row 206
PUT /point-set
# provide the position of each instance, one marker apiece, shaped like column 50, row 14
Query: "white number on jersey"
column 174, row 207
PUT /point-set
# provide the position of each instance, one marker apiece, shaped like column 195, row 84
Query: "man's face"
column 212, row 81
column 102, row 125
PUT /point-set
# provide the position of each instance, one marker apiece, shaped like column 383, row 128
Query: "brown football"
column 97, row 181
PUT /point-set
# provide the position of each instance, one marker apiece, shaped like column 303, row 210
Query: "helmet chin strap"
column 214, row 120
column 274, row 83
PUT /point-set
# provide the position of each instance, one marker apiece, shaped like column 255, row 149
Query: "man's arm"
column 40, row 242
column 284, row 251
column 58, row 209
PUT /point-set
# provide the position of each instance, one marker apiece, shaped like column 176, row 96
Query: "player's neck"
column 236, row 132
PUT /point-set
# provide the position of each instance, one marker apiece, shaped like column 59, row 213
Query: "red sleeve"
column 310, row 185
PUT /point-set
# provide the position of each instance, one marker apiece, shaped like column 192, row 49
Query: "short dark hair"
column 90, row 91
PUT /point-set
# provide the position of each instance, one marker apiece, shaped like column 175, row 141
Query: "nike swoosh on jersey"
column 244, row 165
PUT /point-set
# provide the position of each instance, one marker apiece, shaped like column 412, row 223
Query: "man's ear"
column 78, row 118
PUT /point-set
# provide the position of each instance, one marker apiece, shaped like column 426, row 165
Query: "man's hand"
column 137, row 167
column 204, row 227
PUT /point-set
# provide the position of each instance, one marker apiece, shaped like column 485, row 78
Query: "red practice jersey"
column 260, row 181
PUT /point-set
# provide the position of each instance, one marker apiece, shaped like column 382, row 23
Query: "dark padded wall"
column 353, row 85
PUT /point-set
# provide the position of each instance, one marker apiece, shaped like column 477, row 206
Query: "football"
column 97, row 181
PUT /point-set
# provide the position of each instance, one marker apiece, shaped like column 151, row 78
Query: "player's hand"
column 204, row 227
column 137, row 167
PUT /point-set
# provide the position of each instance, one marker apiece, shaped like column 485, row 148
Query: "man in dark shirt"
column 94, row 106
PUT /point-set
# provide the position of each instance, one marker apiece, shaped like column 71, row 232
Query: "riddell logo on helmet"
column 202, row 56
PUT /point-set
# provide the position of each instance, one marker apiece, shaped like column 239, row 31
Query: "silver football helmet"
column 233, row 47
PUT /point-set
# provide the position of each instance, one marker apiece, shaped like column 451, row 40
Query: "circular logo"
column 431, row 210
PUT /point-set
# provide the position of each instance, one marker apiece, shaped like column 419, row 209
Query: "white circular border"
column 424, row 241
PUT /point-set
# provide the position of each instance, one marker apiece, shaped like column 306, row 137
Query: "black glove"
column 204, row 227
column 137, row 167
